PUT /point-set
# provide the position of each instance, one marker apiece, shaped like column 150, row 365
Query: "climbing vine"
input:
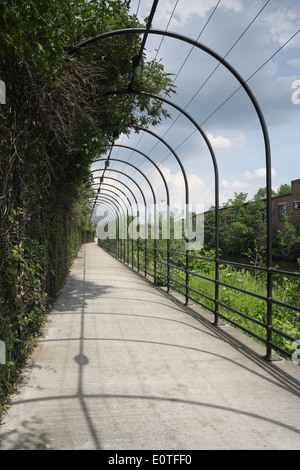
column 57, row 118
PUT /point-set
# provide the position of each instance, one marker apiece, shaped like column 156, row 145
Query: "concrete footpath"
column 121, row 366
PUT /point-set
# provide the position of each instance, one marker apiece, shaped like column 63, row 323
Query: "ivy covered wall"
column 57, row 118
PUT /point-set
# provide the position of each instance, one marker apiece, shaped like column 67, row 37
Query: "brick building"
column 288, row 204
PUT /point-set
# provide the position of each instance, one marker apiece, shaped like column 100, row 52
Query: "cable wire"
column 222, row 104
column 185, row 60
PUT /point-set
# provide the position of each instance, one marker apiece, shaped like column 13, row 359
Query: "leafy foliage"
column 61, row 112
column 243, row 230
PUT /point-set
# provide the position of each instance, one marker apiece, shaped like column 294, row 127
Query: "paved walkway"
column 121, row 366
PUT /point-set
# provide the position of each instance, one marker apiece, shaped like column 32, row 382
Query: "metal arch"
column 107, row 202
column 116, row 194
column 133, row 166
column 185, row 183
column 112, row 186
column 155, row 165
column 162, row 176
column 106, row 192
column 105, row 196
column 168, row 202
column 175, row 155
column 119, row 181
column 154, row 201
column 133, row 30
column 253, row 99
column 122, row 227
column 106, row 184
column 110, row 203
column 150, row 160
column 133, row 196
column 216, row 172
column 111, row 199
column 145, row 205
column 110, row 191
column 266, row 145
column 190, row 118
column 129, row 177
column 150, row 185
column 111, row 211
column 204, row 48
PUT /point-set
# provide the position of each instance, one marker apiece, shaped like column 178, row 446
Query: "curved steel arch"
column 112, row 211
column 154, row 164
column 122, row 226
column 136, row 168
column 216, row 173
column 109, row 210
column 110, row 191
column 215, row 165
column 145, row 205
column 119, row 181
column 133, row 196
column 136, row 202
column 204, row 48
column 154, row 201
column 203, row 134
column 111, row 199
column 127, row 176
column 175, row 155
column 168, row 201
column 149, row 183
column 250, row 94
column 112, row 186
column 107, row 202
column 263, row 125
column 117, row 201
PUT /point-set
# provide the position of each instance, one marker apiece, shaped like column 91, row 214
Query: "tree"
column 262, row 193
column 287, row 240
column 283, row 190
column 242, row 228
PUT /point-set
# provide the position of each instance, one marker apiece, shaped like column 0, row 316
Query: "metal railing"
column 167, row 268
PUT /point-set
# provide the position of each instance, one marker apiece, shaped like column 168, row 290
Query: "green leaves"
column 58, row 118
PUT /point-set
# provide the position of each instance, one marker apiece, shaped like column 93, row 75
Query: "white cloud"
column 185, row 10
column 234, row 184
column 259, row 173
column 295, row 63
column 219, row 142
column 281, row 22
column 199, row 191
column 223, row 143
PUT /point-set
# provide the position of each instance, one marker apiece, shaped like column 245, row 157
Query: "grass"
column 284, row 319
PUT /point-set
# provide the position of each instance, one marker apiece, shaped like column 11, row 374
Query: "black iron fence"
column 235, row 293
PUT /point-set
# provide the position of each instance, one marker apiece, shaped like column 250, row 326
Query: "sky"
column 248, row 33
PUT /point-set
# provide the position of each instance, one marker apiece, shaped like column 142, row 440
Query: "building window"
column 297, row 206
column 281, row 212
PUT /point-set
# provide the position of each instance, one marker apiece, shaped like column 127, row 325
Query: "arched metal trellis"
column 135, row 202
column 146, row 212
column 268, row 325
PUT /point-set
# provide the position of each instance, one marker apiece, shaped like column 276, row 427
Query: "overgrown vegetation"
column 243, row 230
column 56, row 120
column 248, row 232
